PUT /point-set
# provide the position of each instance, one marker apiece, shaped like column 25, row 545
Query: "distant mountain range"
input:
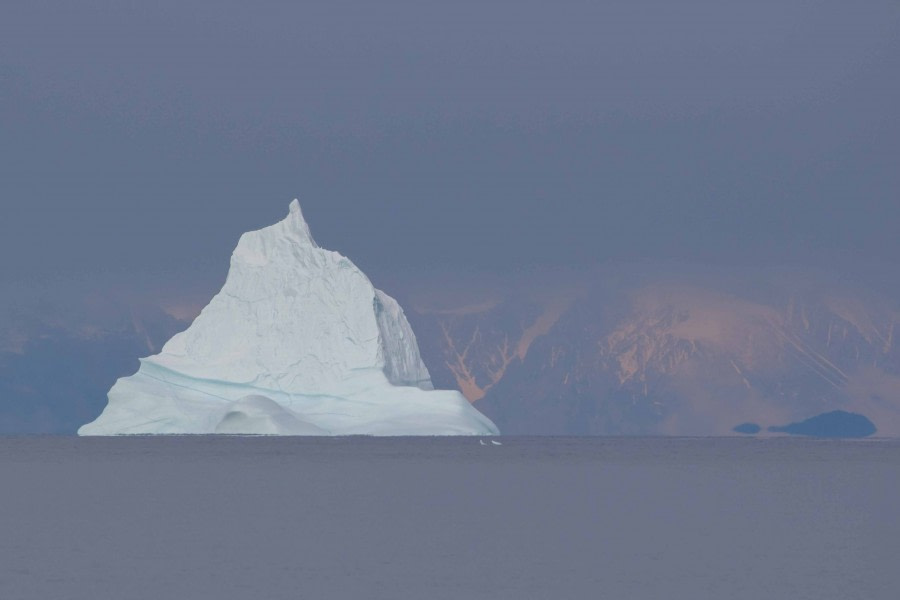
column 694, row 355
column 55, row 372
column 616, row 352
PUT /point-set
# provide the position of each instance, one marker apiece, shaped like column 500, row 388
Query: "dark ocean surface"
column 448, row 518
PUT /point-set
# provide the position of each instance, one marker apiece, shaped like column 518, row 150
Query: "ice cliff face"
column 297, row 342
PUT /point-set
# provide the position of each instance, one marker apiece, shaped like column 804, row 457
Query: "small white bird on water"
column 482, row 442
column 496, row 443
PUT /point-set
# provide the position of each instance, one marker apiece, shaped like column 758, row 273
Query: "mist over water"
column 214, row 517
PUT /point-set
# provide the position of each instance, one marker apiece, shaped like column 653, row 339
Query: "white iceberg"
column 298, row 342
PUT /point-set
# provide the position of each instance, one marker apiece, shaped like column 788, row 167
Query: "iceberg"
column 297, row 342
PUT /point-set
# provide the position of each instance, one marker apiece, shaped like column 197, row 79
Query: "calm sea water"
column 544, row 518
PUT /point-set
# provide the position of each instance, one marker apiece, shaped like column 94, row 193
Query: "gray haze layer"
column 138, row 140
column 443, row 146
column 448, row 519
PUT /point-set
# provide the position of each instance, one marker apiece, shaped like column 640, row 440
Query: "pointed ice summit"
column 298, row 342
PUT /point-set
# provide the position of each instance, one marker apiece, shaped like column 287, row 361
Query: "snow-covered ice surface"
column 228, row 518
column 298, row 342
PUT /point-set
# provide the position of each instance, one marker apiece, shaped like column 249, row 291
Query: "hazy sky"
column 139, row 139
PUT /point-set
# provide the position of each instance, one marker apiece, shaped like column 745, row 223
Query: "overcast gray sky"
column 139, row 139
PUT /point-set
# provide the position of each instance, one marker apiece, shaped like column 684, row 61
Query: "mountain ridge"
column 675, row 357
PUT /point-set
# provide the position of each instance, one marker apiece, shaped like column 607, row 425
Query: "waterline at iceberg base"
column 297, row 342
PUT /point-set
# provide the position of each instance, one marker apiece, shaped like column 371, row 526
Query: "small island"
column 747, row 428
column 834, row 424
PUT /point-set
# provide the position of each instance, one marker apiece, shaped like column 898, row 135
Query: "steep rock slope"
column 687, row 358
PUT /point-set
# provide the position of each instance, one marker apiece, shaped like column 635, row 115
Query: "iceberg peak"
column 297, row 225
